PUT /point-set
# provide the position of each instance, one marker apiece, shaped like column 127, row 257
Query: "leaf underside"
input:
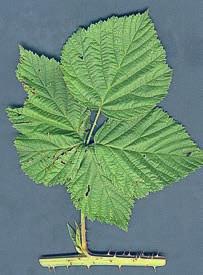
column 118, row 67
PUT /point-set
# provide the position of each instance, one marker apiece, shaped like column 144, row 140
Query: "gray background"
column 33, row 218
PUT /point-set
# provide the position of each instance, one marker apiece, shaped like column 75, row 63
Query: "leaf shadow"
column 45, row 256
column 138, row 253
column 13, row 106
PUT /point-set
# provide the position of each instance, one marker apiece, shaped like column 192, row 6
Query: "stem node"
column 88, row 259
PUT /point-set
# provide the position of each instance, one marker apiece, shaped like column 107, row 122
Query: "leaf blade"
column 117, row 65
column 48, row 95
column 95, row 193
column 51, row 123
column 159, row 150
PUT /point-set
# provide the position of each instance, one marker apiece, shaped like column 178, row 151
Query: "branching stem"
column 86, row 258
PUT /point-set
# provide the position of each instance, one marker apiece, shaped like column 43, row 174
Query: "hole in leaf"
column 81, row 57
column 63, row 162
column 88, row 190
column 189, row 154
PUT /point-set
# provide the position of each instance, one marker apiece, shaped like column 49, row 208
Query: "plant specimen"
column 115, row 68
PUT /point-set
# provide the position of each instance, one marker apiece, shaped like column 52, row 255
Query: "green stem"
column 96, row 259
column 93, row 126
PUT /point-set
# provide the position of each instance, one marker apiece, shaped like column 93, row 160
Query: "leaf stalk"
column 93, row 126
column 84, row 247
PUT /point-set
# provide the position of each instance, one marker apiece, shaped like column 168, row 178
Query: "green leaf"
column 128, row 161
column 51, row 124
column 117, row 66
column 72, row 233
column 75, row 236
column 49, row 102
column 96, row 192
column 150, row 153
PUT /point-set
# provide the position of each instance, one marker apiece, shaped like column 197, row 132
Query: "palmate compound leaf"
column 127, row 160
column 117, row 66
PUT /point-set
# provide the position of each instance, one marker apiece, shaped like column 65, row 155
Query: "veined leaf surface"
column 51, row 144
column 51, row 123
column 128, row 161
column 117, row 66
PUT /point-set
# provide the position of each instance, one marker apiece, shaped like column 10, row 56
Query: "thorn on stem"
column 152, row 257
